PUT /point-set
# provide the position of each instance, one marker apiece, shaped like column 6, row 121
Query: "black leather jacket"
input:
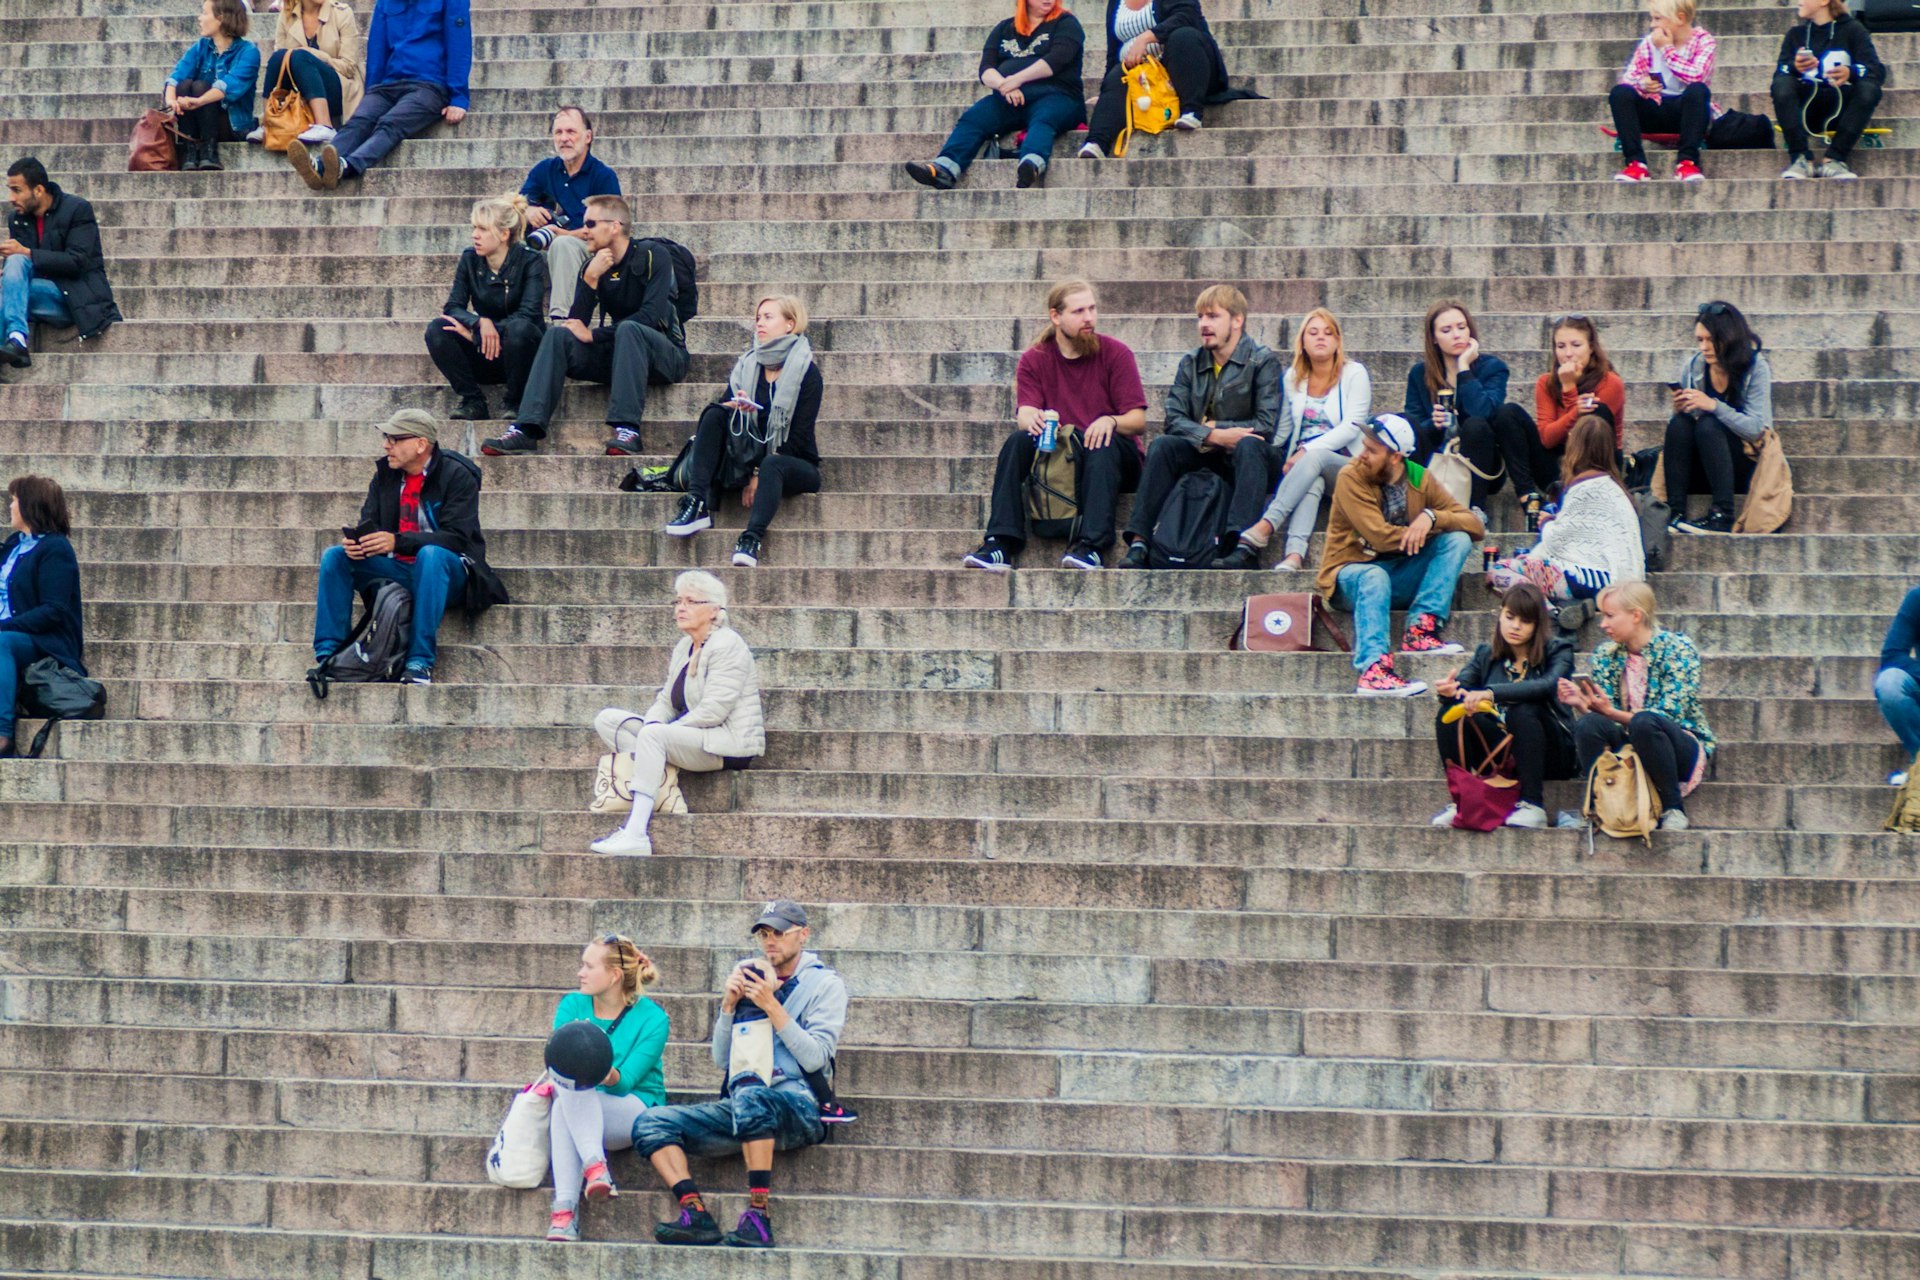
column 518, row 292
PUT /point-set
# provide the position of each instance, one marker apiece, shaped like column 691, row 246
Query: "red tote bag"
column 1483, row 798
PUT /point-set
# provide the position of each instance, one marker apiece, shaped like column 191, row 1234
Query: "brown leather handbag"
column 152, row 149
column 1283, row 623
column 286, row 115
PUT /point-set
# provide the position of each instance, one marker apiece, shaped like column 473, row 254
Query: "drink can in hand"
column 1049, row 431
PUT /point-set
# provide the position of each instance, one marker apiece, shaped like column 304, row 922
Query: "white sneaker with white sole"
column 317, row 134
column 1674, row 820
column 259, row 134
column 1529, row 815
column 625, row 844
column 1444, row 818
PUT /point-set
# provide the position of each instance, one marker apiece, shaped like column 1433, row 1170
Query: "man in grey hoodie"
column 803, row 1005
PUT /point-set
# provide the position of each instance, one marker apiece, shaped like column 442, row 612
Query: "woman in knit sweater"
column 1594, row 540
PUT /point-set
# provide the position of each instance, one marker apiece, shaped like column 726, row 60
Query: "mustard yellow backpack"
column 1152, row 105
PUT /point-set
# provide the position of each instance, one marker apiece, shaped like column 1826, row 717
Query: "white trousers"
column 654, row 747
column 585, row 1125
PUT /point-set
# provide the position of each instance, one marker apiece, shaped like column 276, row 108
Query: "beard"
column 1086, row 343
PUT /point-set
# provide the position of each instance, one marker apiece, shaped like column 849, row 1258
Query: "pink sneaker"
column 1380, row 681
column 1635, row 172
column 600, row 1182
column 563, row 1226
column 1423, row 636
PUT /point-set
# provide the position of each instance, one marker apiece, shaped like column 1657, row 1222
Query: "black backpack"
column 686, row 288
column 376, row 648
column 58, row 693
column 1656, row 535
column 1187, row 534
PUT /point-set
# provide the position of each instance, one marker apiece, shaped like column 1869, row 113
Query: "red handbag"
column 1483, row 798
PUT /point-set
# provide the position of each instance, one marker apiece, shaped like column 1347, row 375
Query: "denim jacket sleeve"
column 189, row 65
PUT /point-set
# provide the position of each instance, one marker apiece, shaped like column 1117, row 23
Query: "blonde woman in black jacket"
column 490, row 329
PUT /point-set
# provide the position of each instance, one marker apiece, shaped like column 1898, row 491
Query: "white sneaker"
column 317, row 134
column 1674, row 820
column 259, row 134
column 1529, row 815
column 624, row 843
column 1091, row 151
column 1897, row 779
column 1444, row 818
column 1188, row 121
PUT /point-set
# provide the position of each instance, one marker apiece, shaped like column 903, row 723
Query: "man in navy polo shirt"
column 556, row 190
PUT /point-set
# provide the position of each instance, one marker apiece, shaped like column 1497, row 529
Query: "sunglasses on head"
column 1714, row 308
column 1572, row 317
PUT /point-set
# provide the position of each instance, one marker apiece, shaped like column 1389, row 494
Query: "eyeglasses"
column 690, row 600
column 1714, row 308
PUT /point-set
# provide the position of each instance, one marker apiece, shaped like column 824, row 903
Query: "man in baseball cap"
column 420, row 518
column 1395, row 540
column 775, row 1038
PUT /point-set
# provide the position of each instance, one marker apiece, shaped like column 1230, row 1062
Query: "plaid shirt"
column 1692, row 63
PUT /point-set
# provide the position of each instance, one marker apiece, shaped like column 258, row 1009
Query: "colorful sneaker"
column 600, row 1182
column 693, row 1226
column 1380, row 681
column 1897, row 779
column 563, row 1226
column 1423, row 636
column 1688, row 171
column 625, row 442
column 1081, row 556
column 753, row 1231
column 1635, row 172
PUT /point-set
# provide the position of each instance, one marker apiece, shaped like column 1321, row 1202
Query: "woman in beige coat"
column 706, row 716
column 322, row 40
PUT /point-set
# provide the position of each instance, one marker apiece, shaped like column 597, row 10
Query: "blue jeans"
column 1899, row 696
column 786, row 1113
column 1044, row 118
column 433, row 576
column 24, row 297
column 18, row 651
column 1422, row 583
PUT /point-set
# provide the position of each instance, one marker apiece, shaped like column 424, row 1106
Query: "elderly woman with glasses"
column 592, row 1117
column 705, row 717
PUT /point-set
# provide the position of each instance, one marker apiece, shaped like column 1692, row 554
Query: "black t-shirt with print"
column 1059, row 42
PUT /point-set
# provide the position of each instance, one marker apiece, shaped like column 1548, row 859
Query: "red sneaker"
column 1688, row 171
column 600, row 1182
column 1423, row 636
column 1635, row 172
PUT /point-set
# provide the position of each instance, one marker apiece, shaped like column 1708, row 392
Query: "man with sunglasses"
column 630, row 284
column 788, row 1001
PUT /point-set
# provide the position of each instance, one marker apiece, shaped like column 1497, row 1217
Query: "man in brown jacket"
column 1395, row 539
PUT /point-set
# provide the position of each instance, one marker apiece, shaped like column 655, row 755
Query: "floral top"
column 1671, row 681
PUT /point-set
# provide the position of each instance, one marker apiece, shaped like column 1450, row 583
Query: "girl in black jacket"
column 1828, row 76
column 39, row 591
column 1031, row 68
column 1177, row 33
column 495, row 315
column 1512, row 686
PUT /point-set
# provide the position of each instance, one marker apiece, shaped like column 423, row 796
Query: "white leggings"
column 654, row 747
column 1296, row 503
column 586, row 1124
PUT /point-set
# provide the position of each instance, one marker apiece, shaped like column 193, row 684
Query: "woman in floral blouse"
column 1645, row 691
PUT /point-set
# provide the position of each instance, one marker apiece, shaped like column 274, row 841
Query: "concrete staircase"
column 1159, row 972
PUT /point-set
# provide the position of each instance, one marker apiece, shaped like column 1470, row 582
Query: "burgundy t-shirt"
column 1106, row 383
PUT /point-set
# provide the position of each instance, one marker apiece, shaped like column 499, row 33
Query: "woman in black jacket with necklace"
column 39, row 591
column 1176, row 32
column 1512, row 686
column 495, row 315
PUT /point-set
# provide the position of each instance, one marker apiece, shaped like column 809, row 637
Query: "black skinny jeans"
column 465, row 369
column 781, row 476
column 1688, row 115
column 1105, row 474
column 1542, row 747
column 1702, row 456
column 203, row 124
column 1188, row 58
column 1791, row 109
column 1668, row 752
column 1509, row 439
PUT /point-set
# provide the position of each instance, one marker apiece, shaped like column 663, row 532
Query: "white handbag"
column 519, row 1155
column 1454, row 473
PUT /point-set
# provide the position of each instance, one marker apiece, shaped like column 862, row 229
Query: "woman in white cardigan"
column 1594, row 539
column 1328, row 397
column 705, row 717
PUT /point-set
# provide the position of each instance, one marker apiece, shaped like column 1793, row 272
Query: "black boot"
column 210, row 157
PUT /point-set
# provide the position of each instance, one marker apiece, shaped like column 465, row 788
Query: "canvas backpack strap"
column 40, row 738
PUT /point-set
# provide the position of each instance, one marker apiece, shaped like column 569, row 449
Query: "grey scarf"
column 793, row 356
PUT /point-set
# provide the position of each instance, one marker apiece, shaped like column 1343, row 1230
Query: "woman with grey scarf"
column 758, row 437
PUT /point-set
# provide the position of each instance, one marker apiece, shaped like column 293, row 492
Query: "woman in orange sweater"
column 1579, row 381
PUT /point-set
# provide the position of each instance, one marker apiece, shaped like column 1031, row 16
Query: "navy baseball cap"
column 780, row 915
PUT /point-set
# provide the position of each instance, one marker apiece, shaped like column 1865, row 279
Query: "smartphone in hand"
column 353, row 533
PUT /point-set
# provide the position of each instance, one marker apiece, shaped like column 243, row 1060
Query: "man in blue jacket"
column 1897, row 687
column 419, row 55
column 775, row 1038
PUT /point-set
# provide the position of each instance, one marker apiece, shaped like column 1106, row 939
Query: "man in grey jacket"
column 1222, row 414
column 795, row 1005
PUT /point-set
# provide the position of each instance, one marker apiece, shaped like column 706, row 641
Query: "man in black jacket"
column 420, row 527
column 53, row 268
column 630, row 283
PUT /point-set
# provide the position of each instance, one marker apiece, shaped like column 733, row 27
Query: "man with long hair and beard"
column 1093, row 384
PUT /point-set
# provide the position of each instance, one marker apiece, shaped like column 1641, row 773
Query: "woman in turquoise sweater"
column 586, row 1123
